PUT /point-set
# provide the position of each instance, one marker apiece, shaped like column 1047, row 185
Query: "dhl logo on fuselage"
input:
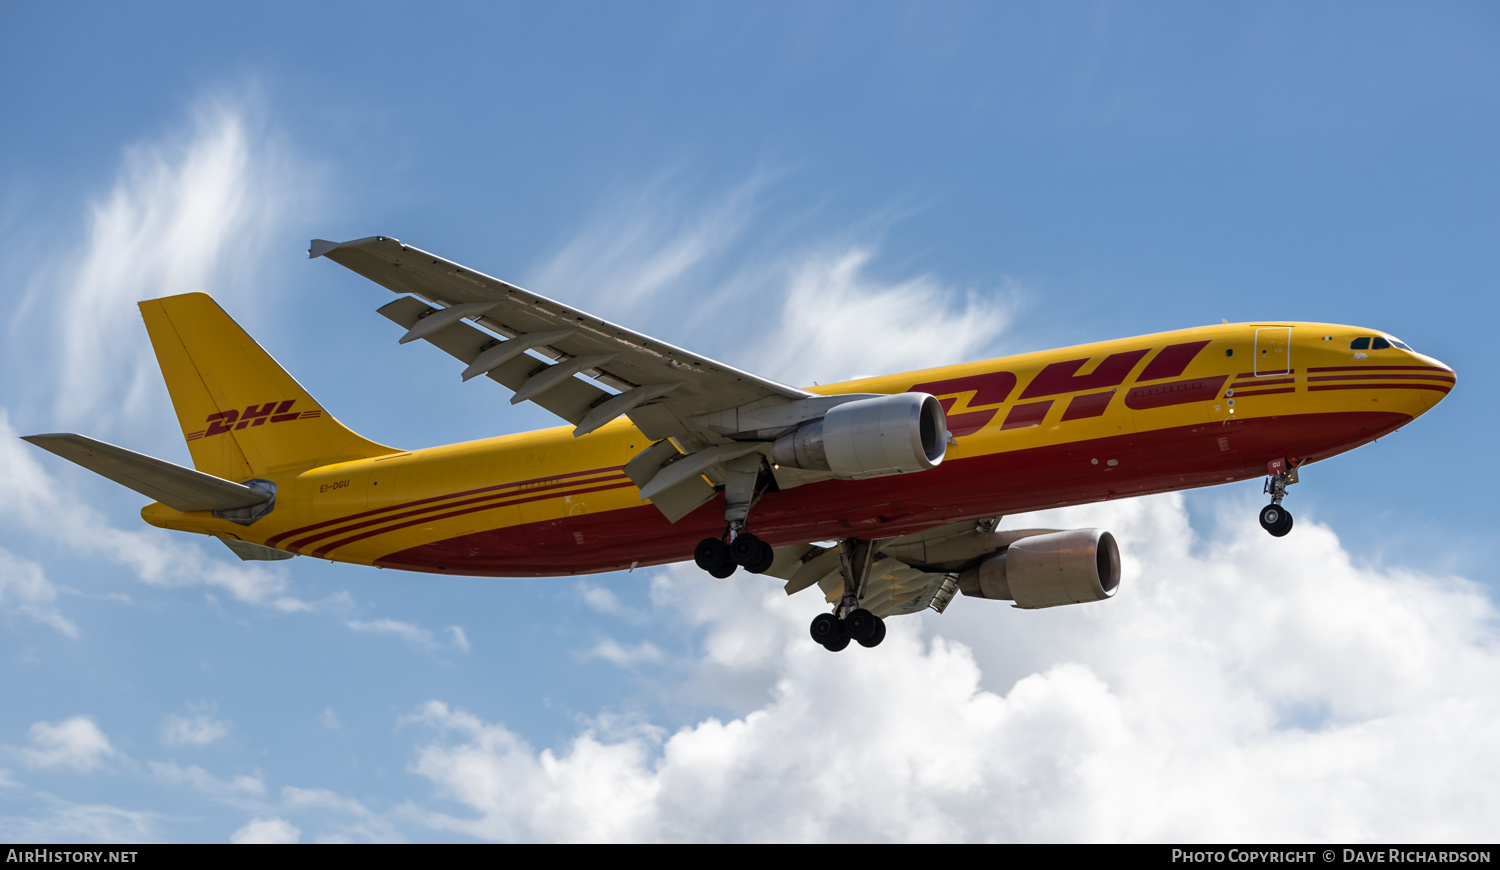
column 251, row 416
column 1096, row 389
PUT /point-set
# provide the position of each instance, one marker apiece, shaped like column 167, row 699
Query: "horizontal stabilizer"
column 249, row 552
column 176, row 487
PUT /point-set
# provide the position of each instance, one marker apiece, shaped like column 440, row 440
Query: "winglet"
column 322, row 247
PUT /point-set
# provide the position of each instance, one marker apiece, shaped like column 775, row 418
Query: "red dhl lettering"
column 973, row 401
column 254, row 415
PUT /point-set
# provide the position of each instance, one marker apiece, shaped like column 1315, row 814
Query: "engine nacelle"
column 1049, row 570
column 871, row 437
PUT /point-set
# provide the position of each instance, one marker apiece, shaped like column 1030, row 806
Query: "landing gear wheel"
column 713, row 556
column 836, row 645
column 878, row 636
column 827, row 628
column 763, row 561
column 862, row 624
column 1276, row 519
column 745, row 549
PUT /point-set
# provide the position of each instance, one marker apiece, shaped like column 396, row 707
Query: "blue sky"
column 813, row 192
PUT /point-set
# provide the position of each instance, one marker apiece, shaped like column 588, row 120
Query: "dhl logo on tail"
column 254, row 415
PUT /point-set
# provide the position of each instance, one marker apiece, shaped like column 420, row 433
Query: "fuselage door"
column 1273, row 351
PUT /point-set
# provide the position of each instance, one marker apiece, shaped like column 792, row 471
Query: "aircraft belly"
column 974, row 486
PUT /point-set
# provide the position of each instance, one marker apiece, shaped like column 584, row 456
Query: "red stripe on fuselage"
column 960, row 489
column 1374, row 386
column 551, row 480
column 324, row 550
column 1381, row 369
column 556, row 490
column 1384, row 377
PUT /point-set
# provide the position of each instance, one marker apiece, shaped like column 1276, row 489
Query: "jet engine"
column 871, row 437
column 1049, row 570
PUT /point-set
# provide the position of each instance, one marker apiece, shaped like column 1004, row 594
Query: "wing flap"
column 176, row 487
column 570, row 398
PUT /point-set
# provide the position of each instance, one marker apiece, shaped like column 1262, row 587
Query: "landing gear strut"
column 745, row 477
column 849, row 621
column 1273, row 517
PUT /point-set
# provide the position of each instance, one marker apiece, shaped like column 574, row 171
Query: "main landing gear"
column 745, row 479
column 743, row 550
column 849, row 621
column 1273, row 517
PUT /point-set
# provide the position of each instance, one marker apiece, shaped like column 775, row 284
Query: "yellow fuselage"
column 1156, row 413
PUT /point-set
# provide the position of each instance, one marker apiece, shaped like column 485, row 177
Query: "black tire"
column 710, row 553
column 836, row 645
column 861, row 624
column 1271, row 516
column 1284, row 526
column 879, row 634
column 763, row 561
column 827, row 628
column 723, row 569
column 745, row 550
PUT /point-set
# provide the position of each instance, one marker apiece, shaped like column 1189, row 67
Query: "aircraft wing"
column 893, row 587
column 586, row 370
column 907, row 574
column 641, row 371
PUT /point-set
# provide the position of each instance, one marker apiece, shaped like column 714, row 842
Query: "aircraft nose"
column 1439, row 379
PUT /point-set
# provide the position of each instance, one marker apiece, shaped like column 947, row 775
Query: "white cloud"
column 320, row 798
column 612, row 650
column 600, row 599
column 199, row 728
column 25, row 589
column 76, row 743
column 414, row 634
column 644, row 243
column 330, row 720
column 200, row 780
column 659, row 261
column 838, row 322
column 188, row 211
column 1243, row 688
column 272, row 830
column 73, row 823
column 460, row 639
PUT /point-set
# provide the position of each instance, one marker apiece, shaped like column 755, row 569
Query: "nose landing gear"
column 1273, row 517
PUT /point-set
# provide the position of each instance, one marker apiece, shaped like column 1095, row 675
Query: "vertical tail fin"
column 242, row 414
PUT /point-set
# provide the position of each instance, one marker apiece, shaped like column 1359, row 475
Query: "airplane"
column 886, row 493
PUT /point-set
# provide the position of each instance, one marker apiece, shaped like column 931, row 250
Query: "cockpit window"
column 1361, row 343
column 1401, row 344
column 1380, row 344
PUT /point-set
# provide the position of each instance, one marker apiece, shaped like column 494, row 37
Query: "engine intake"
column 1049, row 570
column 873, row 437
